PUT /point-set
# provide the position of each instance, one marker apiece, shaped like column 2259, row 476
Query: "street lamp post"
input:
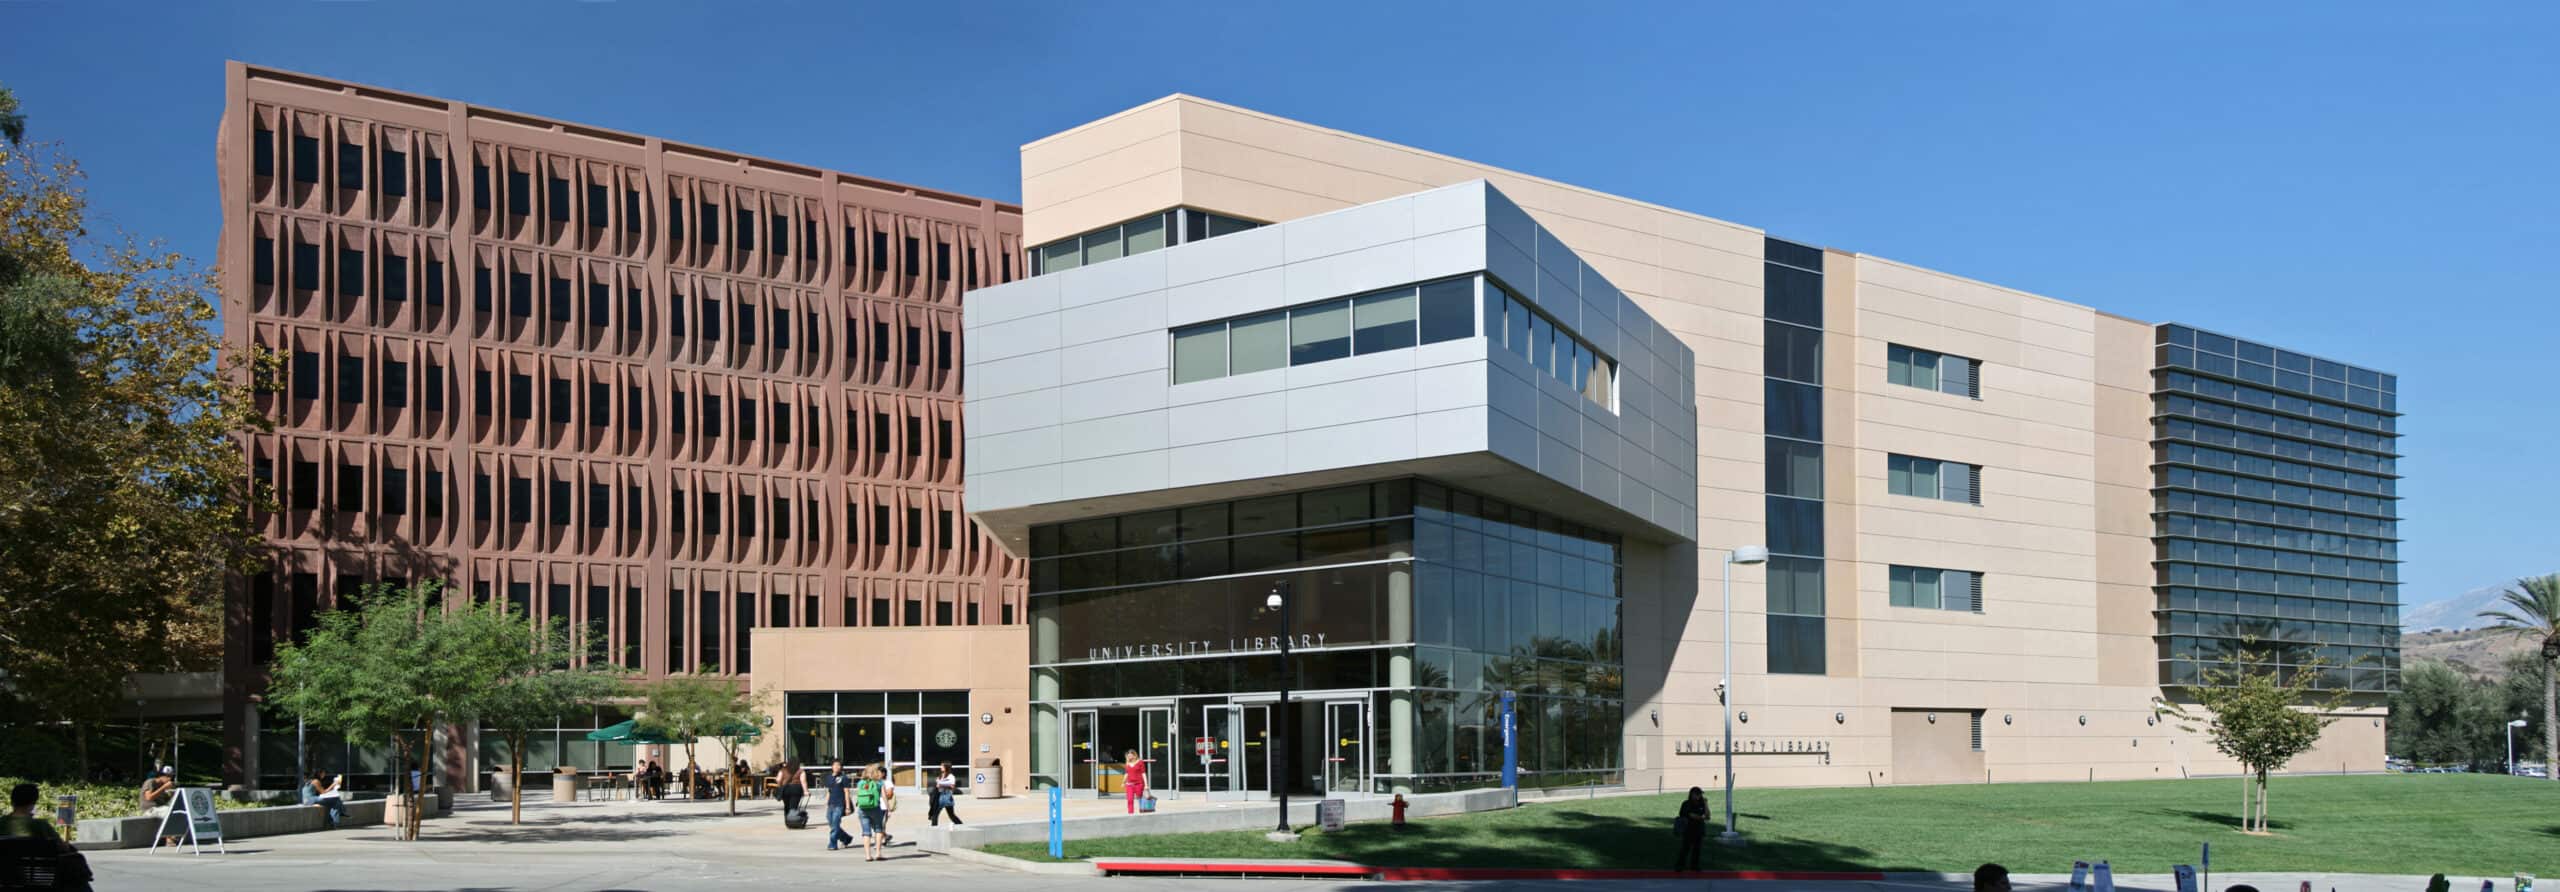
column 1747, row 554
column 2511, row 745
column 1281, row 772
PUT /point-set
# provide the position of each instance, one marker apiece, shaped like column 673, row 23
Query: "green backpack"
column 866, row 794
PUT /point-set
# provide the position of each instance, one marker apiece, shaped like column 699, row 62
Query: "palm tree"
column 2532, row 611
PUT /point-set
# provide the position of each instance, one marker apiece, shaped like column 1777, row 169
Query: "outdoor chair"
column 28, row 862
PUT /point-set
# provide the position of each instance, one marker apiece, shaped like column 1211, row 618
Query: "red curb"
column 1258, row 868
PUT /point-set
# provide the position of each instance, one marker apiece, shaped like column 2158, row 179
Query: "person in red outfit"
column 1133, row 780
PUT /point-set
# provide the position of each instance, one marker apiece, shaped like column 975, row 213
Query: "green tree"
column 398, row 660
column 2531, row 610
column 536, row 695
column 2259, row 714
column 2426, row 714
column 123, row 495
column 688, row 708
column 2526, row 676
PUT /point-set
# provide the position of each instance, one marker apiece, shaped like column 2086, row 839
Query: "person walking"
column 1691, row 827
column 786, row 787
column 1995, row 878
column 945, row 796
column 837, row 784
column 1133, row 780
column 871, row 798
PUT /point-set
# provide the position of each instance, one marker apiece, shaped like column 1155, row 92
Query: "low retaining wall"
column 1302, row 811
column 237, row 823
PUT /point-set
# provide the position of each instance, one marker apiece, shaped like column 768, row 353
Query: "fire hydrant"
column 1399, row 806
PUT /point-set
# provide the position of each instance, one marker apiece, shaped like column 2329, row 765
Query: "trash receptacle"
column 986, row 778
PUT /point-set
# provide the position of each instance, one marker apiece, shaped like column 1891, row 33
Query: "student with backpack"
column 873, row 798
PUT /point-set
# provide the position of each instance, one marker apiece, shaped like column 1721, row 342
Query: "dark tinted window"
column 306, row 159
column 1792, row 352
column 1793, row 295
column 350, row 166
column 1793, row 254
column 395, row 172
column 1794, row 410
column 1795, row 526
column 1448, row 310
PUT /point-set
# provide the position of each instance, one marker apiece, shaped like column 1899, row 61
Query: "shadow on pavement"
column 553, row 829
column 2225, row 820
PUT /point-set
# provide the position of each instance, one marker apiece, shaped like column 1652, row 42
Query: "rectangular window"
column 559, row 499
column 1928, row 370
column 395, row 277
column 434, row 500
column 558, row 198
column 915, row 528
column 520, row 295
column 1320, row 332
column 1933, row 479
column 519, row 500
column 350, row 488
column 711, row 513
column 395, row 384
column 1795, row 525
column 263, row 151
column 710, row 321
column 599, row 303
column 711, row 416
column 1929, row 588
column 262, row 261
column 942, row 350
column 395, row 173
column 435, row 282
column 915, row 347
column 1795, row 469
column 559, row 400
column 559, row 299
column 781, row 328
column 1200, row 353
column 1257, row 343
column 880, row 432
column 1382, row 322
column 479, row 186
column 746, row 514
column 350, row 272
column 1792, row 295
column 630, row 210
column 746, row 325
column 880, row 525
column 305, row 375
column 350, row 166
column 435, row 387
column 913, row 257
column 1792, row 352
column 520, row 397
column 915, row 436
column 781, row 239
column 1796, row 645
column 943, row 438
column 519, row 193
column 746, row 229
column 599, row 404
column 305, row 485
column 306, row 267
column 482, row 398
column 781, row 513
column 879, row 342
column 481, row 498
column 710, row 224
column 748, row 418
column 599, row 505
column 350, row 383
column 1794, row 410
column 782, row 423
column 631, row 309
column 1448, row 310
column 306, row 159
column 433, row 179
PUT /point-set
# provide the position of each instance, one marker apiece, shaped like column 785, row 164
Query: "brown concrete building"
column 666, row 393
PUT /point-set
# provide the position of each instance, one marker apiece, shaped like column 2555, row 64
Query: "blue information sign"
column 1510, row 745
column 1057, row 822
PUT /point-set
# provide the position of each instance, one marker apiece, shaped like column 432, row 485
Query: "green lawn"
column 2399, row 824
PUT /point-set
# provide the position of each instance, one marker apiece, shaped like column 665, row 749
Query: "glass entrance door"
column 905, row 740
column 1083, row 773
column 1206, row 765
column 1156, row 749
column 1252, row 755
column 1346, row 746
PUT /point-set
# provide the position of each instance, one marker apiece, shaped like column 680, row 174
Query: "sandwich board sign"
column 194, row 807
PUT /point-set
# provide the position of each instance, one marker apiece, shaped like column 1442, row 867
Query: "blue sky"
column 2370, row 182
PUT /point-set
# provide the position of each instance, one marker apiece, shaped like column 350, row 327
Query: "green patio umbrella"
column 626, row 732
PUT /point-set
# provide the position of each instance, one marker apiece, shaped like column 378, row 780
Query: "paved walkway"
column 697, row 845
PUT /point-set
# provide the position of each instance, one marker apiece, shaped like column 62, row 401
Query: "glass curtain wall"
column 1424, row 601
column 1792, row 360
column 909, row 730
column 2276, row 498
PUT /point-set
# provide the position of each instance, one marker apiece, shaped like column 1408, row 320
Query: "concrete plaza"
column 697, row 845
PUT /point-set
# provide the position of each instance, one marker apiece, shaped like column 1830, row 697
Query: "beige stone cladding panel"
column 986, row 661
column 2126, row 653
column 1103, row 172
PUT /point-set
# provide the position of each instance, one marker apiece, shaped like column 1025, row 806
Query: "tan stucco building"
column 2008, row 530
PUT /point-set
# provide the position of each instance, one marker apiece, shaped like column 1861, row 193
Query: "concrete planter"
column 564, row 785
column 238, row 823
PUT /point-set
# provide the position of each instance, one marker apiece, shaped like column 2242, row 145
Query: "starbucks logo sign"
column 946, row 738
